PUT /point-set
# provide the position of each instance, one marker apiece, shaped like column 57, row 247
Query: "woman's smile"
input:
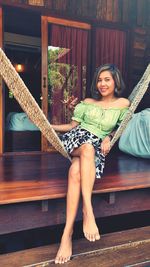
column 106, row 84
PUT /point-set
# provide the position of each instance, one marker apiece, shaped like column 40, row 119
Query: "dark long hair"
column 116, row 74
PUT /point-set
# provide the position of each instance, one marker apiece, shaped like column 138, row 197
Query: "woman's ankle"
column 67, row 232
column 88, row 212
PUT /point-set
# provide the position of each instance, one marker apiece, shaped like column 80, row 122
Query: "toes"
column 92, row 237
column 57, row 261
column 66, row 259
column 87, row 236
column 61, row 260
column 97, row 237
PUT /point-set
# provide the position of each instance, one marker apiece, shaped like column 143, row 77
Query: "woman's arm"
column 105, row 145
column 65, row 127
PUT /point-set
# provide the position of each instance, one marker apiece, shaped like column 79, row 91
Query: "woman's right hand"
column 71, row 102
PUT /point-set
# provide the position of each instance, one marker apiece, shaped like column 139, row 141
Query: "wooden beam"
column 69, row 23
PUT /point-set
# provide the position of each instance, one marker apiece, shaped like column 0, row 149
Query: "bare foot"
column 65, row 250
column 90, row 228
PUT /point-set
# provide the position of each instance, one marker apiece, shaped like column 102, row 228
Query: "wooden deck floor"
column 31, row 177
column 121, row 249
column 33, row 189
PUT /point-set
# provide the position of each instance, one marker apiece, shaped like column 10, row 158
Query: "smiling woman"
column 87, row 141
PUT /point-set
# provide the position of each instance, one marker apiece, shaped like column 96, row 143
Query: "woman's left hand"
column 105, row 146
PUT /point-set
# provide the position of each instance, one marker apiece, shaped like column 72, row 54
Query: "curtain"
column 67, row 68
column 111, row 47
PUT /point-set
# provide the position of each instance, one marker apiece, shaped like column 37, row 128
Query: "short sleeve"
column 78, row 113
column 122, row 115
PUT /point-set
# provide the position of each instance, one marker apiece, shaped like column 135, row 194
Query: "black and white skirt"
column 78, row 136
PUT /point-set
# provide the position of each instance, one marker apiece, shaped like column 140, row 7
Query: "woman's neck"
column 108, row 99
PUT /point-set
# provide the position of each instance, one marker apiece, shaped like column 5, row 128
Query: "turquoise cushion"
column 135, row 140
column 19, row 122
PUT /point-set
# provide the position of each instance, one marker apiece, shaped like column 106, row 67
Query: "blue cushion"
column 135, row 139
column 19, row 122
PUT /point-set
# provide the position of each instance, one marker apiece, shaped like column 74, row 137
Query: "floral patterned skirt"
column 78, row 136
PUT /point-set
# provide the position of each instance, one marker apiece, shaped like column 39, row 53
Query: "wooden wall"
column 135, row 12
column 132, row 14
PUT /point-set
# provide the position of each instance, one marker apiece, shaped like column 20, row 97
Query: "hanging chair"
column 30, row 106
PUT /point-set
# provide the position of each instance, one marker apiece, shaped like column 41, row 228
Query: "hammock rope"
column 135, row 98
column 34, row 112
column 28, row 103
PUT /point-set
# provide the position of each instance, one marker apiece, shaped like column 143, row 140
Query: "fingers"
column 72, row 101
column 105, row 148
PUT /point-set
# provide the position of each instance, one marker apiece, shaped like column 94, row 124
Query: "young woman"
column 87, row 140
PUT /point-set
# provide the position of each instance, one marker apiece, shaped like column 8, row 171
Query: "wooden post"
column 1, row 90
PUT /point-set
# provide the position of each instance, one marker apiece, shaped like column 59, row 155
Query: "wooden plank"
column 125, row 202
column 44, row 78
column 99, row 10
column 69, row 23
column 33, row 190
column 104, row 10
column 115, row 11
column 140, row 44
column 140, row 12
column 17, row 191
column 109, row 14
column 126, row 12
column 26, row 180
column 113, row 247
column 29, row 215
column 29, row 177
column 36, row 2
column 115, row 256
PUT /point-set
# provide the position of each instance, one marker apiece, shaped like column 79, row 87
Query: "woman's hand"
column 105, row 145
column 71, row 102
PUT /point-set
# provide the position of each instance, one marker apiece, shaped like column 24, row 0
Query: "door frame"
column 1, row 90
column 45, row 20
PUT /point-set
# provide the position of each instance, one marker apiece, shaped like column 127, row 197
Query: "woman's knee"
column 87, row 150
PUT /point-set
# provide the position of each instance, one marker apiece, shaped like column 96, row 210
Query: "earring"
column 97, row 92
column 116, row 90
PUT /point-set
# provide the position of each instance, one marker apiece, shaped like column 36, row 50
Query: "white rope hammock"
column 135, row 98
column 30, row 106
column 28, row 103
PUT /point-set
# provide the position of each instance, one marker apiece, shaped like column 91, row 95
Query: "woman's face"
column 106, row 84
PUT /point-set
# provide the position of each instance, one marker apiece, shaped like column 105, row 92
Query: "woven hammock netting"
column 34, row 112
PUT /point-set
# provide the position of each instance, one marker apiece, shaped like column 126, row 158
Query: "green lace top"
column 98, row 120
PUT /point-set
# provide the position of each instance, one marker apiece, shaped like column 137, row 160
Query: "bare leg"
column 87, row 165
column 73, row 195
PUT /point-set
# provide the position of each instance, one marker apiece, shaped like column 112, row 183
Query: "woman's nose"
column 102, row 82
